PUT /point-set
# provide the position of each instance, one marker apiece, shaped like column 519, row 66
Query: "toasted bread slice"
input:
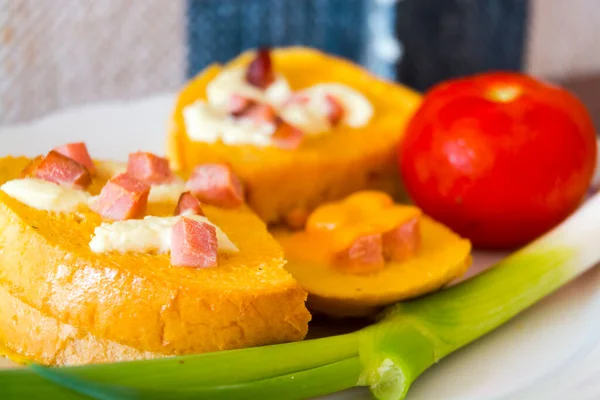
column 139, row 300
column 25, row 333
column 281, row 182
column 442, row 257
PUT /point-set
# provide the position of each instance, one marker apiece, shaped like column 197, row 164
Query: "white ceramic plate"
column 551, row 351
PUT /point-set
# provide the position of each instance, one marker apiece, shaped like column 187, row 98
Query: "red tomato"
column 499, row 157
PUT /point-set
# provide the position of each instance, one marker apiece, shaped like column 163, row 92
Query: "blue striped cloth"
column 432, row 39
column 218, row 30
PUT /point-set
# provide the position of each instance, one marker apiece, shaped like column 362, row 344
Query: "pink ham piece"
column 78, row 152
column 62, row 170
column 260, row 71
column 238, row 105
column 216, row 184
column 287, row 137
column 365, row 255
column 193, row 244
column 403, row 241
column 260, row 114
column 149, row 168
column 297, row 98
column 188, row 204
column 335, row 109
column 123, row 197
column 369, row 253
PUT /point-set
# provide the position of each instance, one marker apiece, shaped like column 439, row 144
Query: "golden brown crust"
column 25, row 332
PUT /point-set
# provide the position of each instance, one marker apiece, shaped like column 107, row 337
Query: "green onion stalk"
column 386, row 356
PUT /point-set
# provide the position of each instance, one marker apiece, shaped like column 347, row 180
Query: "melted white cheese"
column 110, row 168
column 208, row 121
column 232, row 81
column 44, row 195
column 151, row 234
column 167, row 192
column 311, row 116
column 206, row 124
column 309, row 120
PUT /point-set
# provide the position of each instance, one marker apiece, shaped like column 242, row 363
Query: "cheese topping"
column 311, row 115
column 110, row 168
column 148, row 235
column 206, row 124
column 232, row 81
column 167, row 192
column 209, row 121
column 360, row 214
column 44, row 195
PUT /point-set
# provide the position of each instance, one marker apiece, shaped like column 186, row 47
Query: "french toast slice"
column 282, row 182
column 138, row 300
column 27, row 334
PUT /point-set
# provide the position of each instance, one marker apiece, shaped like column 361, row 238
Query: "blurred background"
column 59, row 54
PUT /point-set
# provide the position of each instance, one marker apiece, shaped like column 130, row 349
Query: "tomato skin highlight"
column 499, row 157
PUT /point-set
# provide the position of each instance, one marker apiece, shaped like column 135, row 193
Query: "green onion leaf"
column 299, row 385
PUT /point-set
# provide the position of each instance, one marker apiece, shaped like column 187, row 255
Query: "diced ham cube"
column 297, row 98
column 260, row 113
column 30, row 169
column 335, row 109
column 123, row 197
column 78, row 152
column 193, row 244
column 287, row 137
column 260, row 71
column 63, row 170
column 238, row 105
column 403, row 241
column 188, row 204
column 257, row 113
column 216, row 184
column 365, row 255
column 149, row 168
